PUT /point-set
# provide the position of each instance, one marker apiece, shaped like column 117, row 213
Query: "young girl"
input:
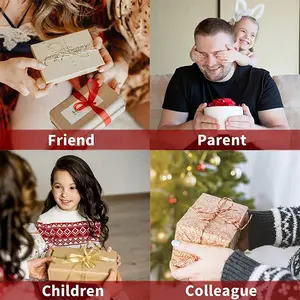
column 26, row 22
column 74, row 212
column 245, row 33
column 18, row 203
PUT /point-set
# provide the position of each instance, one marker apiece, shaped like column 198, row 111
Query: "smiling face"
column 64, row 191
column 209, row 46
column 245, row 32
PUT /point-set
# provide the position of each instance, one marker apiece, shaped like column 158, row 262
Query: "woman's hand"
column 113, row 72
column 108, row 61
column 13, row 72
column 38, row 267
column 98, row 44
column 209, row 266
column 113, row 283
column 114, row 77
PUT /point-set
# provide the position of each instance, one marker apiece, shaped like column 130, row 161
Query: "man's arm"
column 175, row 107
column 273, row 119
column 270, row 108
column 171, row 119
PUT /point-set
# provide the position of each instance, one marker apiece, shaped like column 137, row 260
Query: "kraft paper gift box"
column 75, row 264
column 67, row 57
column 211, row 221
column 65, row 117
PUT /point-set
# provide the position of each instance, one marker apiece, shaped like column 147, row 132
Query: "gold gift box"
column 73, row 264
column 65, row 117
column 67, row 57
column 210, row 221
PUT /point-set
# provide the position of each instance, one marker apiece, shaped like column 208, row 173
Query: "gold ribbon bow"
column 88, row 259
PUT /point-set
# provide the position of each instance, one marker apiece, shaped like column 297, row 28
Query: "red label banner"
column 150, row 140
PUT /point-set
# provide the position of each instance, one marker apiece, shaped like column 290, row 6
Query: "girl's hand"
column 195, row 55
column 38, row 267
column 109, row 249
column 13, row 72
column 116, row 76
column 113, row 283
column 209, row 266
column 229, row 55
column 50, row 251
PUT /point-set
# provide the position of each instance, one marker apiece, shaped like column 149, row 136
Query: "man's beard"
column 218, row 75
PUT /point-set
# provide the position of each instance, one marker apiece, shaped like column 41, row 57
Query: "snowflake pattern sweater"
column 60, row 228
column 278, row 227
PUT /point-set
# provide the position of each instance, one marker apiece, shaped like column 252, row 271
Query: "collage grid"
column 149, row 149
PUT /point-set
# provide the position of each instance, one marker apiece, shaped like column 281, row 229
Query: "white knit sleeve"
column 40, row 246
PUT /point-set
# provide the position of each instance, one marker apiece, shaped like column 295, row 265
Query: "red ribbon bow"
column 84, row 102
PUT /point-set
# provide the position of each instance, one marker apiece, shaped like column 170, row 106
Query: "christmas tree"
column 178, row 178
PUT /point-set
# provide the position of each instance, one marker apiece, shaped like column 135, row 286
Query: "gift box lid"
column 65, row 117
column 103, row 261
column 67, row 57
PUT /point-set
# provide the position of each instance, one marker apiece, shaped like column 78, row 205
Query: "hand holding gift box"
column 74, row 264
column 221, row 109
column 211, row 221
column 70, row 56
column 93, row 106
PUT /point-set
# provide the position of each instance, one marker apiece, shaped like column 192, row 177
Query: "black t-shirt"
column 188, row 88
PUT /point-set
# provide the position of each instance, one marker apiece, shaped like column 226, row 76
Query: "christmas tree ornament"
column 166, row 175
column 200, row 167
column 189, row 168
column 172, row 199
column 162, row 236
column 168, row 275
column 189, row 180
column 236, row 173
column 153, row 174
column 215, row 160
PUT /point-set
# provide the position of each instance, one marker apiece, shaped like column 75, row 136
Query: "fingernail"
column 175, row 243
column 42, row 66
column 25, row 92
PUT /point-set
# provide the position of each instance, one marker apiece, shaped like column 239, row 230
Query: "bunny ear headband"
column 241, row 10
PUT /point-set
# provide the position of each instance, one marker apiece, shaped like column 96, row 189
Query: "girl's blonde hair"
column 58, row 17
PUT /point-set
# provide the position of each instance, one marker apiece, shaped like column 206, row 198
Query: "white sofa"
column 288, row 85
